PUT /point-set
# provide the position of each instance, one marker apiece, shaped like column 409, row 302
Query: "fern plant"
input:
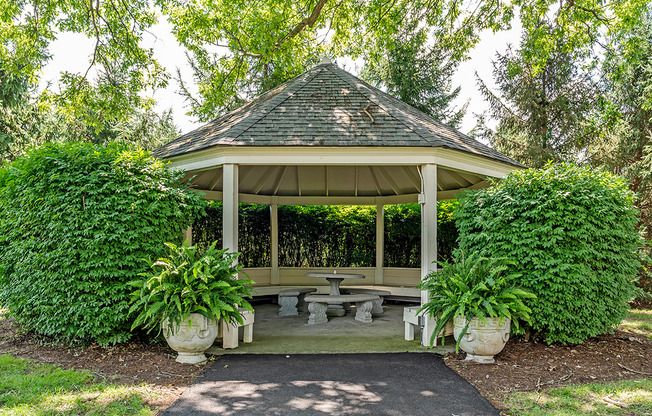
column 474, row 287
column 190, row 280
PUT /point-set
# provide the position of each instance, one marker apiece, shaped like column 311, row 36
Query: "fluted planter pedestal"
column 482, row 340
column 190, row 341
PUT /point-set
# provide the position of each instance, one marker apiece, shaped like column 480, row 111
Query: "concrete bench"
column 291, row 300
column 230, row 330
column 318, row 305
column 378, row 304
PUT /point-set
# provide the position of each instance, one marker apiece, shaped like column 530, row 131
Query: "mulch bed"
column 522, row 366
column 527, row 366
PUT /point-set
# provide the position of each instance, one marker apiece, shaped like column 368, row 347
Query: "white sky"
column 72, row 52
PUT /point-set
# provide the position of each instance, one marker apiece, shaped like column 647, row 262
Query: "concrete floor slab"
column 275, row 334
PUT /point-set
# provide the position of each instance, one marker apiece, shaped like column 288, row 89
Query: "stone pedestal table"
column 335, row 308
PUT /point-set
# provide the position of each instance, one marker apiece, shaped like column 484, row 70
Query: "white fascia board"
column 445, row 158
column 333, row 200
column 451, row 194
column 315, row 200
column 466, row 162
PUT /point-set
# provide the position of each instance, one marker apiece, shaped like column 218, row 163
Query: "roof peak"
column 325, row 61
column 326, row 106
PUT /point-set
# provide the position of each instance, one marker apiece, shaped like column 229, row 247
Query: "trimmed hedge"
column 326, row 236
column 76, row 222
column 330, row 236
column 572, row 232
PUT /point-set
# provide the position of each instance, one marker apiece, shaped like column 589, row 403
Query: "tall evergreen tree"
column 625, row 145
column 542, row 112
column 417, row 73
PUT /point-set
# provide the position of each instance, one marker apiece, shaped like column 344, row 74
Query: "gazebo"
column 329, row 138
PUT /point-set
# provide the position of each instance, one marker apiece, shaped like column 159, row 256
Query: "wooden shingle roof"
column 326, row 106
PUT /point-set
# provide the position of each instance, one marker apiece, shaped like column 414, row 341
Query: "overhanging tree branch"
column 308, row 21
column 241, row 48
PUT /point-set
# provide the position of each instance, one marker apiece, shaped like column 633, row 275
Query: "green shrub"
column 327, row 236
column 76, row 222
column 572, row 233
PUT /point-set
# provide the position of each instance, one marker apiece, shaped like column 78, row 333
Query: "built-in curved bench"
column 399, row 292
column 292, row 300
column 378, row 304
column 318, row 306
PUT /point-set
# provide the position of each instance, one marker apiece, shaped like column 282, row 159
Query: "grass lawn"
column 631, row 397
column 639, row 321
column 30, row 388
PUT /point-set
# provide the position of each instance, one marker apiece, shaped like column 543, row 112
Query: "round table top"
column 336, row 275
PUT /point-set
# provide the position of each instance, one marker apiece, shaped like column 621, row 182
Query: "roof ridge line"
column 416, row 127
column 390, row 113
column 288, row 94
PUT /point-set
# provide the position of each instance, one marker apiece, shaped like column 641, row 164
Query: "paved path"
column 331, row 384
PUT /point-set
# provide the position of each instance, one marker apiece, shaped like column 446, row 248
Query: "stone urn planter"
column 191, row 340
column 482, row 341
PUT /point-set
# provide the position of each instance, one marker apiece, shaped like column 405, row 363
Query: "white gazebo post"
column 230, row 208
column 273, row 224
column 428, row 201
column 380, row 244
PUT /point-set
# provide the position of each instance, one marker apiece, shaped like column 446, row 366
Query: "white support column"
column 273, row 223
column 428, row 201
column 380, row 244
column 230, row 208
column 187, row 236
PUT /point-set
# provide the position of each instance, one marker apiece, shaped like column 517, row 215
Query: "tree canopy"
column 238, row 48
column 576, row 85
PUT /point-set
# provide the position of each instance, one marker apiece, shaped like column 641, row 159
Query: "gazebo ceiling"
column 327, row 107
column 357, row 181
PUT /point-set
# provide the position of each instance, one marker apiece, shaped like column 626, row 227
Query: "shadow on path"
column 344, row 384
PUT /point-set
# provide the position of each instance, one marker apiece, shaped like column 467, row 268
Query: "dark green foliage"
column 475, row 287
column 416, row 73
column 403, row 235
column 447, row 231
column 208, row 228
column 572, row 232
column 254, row 238
column 76, row 222
column 190, row 280
column 542, row 113
column 327, row 236
column 330, row 236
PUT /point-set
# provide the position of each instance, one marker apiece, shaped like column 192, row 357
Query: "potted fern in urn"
column 482, row 299
column 185, row 295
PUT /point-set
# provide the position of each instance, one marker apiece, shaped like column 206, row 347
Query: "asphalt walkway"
column 331, row 384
